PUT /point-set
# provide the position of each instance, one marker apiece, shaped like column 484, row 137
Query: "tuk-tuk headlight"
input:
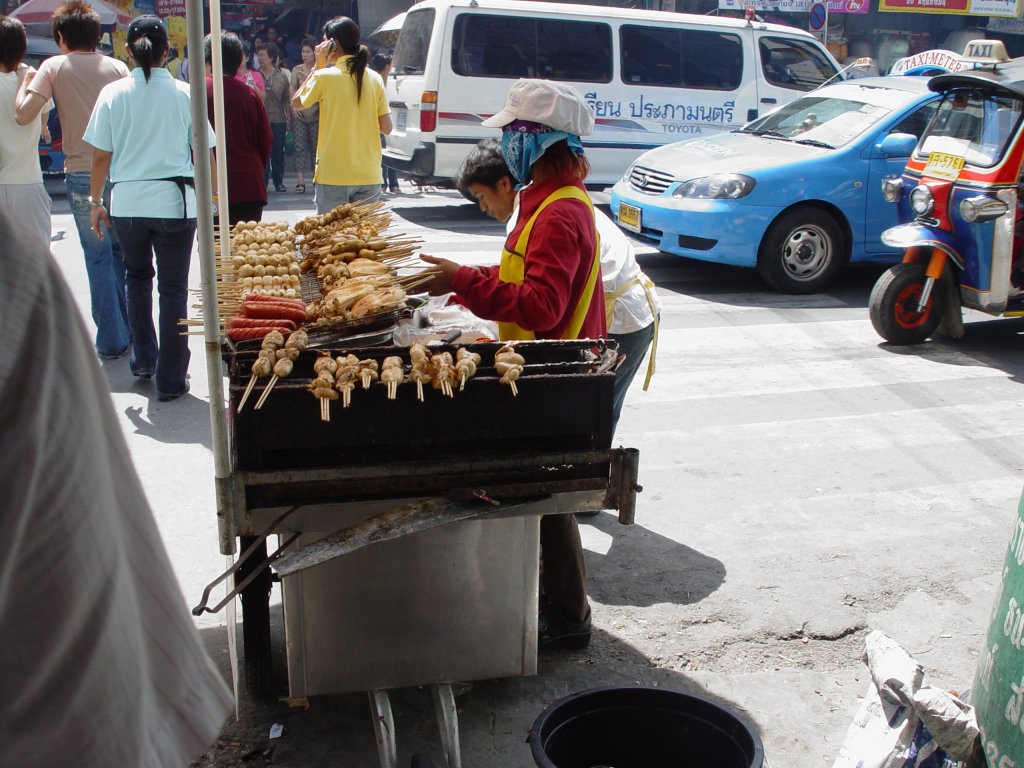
column 982, row 209
column 921, row 200
column 718, row 186
column 892, row 189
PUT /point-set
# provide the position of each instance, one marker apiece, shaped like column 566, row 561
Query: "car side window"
column 916, row 121
column 795, row 64
column 487, row 45
column 680, row 58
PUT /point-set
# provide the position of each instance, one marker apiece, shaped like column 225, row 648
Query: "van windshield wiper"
column 813, row 143
column 772, row 134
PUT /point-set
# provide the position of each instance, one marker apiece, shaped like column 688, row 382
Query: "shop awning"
column 40, row 11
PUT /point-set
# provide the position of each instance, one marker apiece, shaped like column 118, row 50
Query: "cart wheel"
column 893, row 305
column 256, row 622
column 802, row 252
column 422, row 760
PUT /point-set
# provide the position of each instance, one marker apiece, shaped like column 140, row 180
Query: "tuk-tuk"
column 962, row 194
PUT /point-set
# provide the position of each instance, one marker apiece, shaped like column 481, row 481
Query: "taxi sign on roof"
column 933, row 59
column 985, row 52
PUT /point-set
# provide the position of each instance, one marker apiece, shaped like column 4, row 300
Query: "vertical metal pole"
column 207, row 264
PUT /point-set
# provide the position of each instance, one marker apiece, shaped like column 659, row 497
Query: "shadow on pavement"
column 994, row 343
column 643, row 568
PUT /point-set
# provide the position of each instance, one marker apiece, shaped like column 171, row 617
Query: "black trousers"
column 563, row 571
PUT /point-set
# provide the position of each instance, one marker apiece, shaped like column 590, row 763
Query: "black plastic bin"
column 642, row 728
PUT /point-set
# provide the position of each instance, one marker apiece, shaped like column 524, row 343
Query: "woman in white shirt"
column 21, row 180
column 141, row 130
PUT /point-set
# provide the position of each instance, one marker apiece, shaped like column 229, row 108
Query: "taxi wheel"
column 802, row 252
column 893, row 305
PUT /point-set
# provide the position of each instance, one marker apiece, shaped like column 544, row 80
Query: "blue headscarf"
column 523, row 142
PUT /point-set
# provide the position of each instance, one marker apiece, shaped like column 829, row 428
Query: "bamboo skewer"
column 266, row 392
column 248, row 391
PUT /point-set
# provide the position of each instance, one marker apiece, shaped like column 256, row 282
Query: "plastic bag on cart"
column 903, row 723
column 438, row 320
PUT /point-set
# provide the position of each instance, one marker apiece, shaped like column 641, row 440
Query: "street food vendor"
column 547, row 286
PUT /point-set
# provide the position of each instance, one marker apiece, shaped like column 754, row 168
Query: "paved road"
column 803, row 483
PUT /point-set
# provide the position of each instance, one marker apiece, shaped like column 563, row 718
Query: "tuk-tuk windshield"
column 973, row 125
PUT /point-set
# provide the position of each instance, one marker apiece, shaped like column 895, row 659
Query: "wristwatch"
column 94, row 202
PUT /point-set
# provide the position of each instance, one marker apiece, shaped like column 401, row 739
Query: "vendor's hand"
column 44, row 134
column 99, row 214
column 445, row 270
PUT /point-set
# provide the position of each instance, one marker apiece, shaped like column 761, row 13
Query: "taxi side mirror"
column 898, row 144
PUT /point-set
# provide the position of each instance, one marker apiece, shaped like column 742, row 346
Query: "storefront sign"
column 1013, row 26
column 170, row 7
column 795, row 6
column 1008, row 8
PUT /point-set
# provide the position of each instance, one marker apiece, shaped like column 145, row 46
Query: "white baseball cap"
column 555, row 105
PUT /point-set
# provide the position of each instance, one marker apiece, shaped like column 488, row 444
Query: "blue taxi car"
column 794, row 193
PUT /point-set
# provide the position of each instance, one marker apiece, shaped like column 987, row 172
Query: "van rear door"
column 410, row 145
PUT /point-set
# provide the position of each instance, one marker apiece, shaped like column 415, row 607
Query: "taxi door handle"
column 398, row 104
column 769, row 100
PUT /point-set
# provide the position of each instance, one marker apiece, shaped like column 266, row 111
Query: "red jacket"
column 559, row 257
column 247, row 136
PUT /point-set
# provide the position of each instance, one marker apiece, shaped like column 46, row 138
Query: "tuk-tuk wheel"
column 802, row 252
column 893, row 305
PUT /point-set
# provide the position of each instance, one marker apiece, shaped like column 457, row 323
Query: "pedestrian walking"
column 353, row 114
column 381, row 64
column 74, row 80
column 306, row 122
column 141, row 132
column 277, row 99
column 246, row 130
column 21, row 180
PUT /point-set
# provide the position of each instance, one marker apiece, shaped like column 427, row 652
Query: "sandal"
column 300, row 189
column 281, row 188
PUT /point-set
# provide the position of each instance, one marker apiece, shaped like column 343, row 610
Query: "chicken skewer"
column 268, row 349
column 282, row 368
column 509, row 364
column 442, row 369
column 261, row 368
column 392, row 374
column 465, row 365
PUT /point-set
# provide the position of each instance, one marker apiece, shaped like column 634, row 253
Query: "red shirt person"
column 547, row 286
column 247, row 130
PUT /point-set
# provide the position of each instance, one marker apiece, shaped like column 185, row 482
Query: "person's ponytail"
column 356, row 67
column 145, row 55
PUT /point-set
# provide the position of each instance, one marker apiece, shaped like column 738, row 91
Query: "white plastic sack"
column 902, row 723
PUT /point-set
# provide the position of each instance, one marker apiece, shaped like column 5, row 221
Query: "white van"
column 652, row 77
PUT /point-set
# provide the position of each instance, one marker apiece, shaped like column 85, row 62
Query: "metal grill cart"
column 469, row 475
column 448, row 491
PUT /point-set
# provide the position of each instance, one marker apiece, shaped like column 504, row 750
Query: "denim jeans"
column 171, row 241
column 634, row 346
column 275, row 166
column 104, row 264
column 330, row 196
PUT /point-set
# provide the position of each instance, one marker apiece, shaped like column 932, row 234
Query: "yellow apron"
column 609, row 308
column 512, row 269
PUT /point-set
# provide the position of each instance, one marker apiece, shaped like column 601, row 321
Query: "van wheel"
column 893, row 305
column 802, row 252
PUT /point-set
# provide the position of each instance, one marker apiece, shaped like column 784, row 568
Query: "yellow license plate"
column 943, row 166
column 629, row 217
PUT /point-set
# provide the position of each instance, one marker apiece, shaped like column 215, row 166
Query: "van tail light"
column 428, row 112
